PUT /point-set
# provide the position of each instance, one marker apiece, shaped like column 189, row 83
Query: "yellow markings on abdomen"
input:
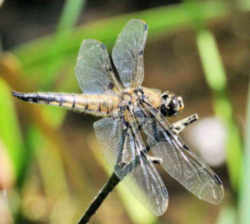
column 99, row 105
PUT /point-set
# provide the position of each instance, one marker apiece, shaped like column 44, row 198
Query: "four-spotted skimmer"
column 135, row 128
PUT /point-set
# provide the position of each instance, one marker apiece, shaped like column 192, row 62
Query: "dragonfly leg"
column 120, row 166
column 178, row 126
column 120, row 162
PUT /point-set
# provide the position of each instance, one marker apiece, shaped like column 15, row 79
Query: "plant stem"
column 103, row 193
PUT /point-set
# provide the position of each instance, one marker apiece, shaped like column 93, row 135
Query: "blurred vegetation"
column 52, row 163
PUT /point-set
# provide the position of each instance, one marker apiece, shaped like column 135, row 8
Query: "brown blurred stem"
column 103, row 193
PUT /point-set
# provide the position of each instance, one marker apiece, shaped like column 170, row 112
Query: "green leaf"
column 9, row 128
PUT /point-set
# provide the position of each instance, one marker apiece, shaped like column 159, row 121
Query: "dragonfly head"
column 171, row 104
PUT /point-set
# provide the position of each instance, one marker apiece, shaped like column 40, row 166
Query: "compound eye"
column 164, row 96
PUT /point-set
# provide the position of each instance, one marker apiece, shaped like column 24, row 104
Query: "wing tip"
column 90, row 42
column 161, row 209
column 141, row 21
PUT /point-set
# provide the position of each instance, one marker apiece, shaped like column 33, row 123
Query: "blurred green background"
column 50, row 163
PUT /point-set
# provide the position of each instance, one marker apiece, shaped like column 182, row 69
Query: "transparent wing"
column 153, row 193
column 128, row 51
column 93, row 68
column 182, row 164
column 109, row 133
column 143, row 179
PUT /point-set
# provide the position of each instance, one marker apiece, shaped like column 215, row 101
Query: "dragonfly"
column 135, row 127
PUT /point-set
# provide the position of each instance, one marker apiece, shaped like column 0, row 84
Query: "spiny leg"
column 178, row 126
column 120, row 166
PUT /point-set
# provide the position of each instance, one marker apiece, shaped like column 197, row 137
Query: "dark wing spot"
column 217, row 180
column 145, row 27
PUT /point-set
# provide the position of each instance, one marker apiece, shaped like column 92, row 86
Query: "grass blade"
column 244, row 205
column 70, row 14
column 216, row 80
column 36, row 55
column 9, row 129
column 227, row 216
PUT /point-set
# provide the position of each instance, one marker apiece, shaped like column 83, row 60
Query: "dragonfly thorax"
column 166, row 102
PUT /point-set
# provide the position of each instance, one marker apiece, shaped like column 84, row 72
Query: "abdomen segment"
column 99, row 105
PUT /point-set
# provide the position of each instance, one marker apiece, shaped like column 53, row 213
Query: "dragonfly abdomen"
column 99, row 105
